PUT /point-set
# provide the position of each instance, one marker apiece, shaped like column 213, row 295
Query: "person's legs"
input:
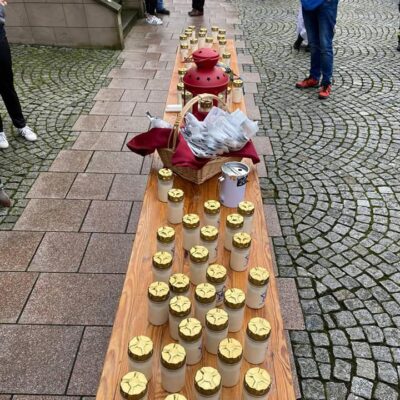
column 151, row 7
column 198, row 5
column 311, row 22
column 161, row 8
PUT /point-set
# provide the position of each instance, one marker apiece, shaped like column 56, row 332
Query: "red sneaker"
column 307, row 83
column 325, row 92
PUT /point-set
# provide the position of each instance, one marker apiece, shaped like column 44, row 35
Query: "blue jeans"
column 160, row 5
column 320, row 26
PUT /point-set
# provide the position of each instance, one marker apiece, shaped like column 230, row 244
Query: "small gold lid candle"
column 207, row 381
column 165, row 174
column 205, row 105
column 162, row 260
column 216, row 273
column 166, row 234
column 257, row 381
column 209, row 233
column 180, row 87
column 221, row 37
column 198, row 254
column 182, row 71
column 214, row 29
column 222, row 42
column 133, row 386
column 234, row 298
column 258, row 329
column 191, row 27
column 191, row 221
column 245, row 208
column 184, row 46
column 258, row 276
column 217, row 319
column 173, row 356
column 179, row 283
column 183, row 36
column 234, row 221
column 205, row 293
column 175, row 195
column 226, row 55
column 222, row 31
column 209, row 39
column 194, row 41
column 238, row 83
column 241, row 240
column 180, row 306
column 230, row 351
column 212, row 206
column 158, row 292
column 203, row 29
column 140, row 348
column 190, row 329
column 202, row 34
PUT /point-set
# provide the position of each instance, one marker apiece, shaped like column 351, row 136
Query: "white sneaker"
column 3, row 141
column 153, row 20
column 28, row 134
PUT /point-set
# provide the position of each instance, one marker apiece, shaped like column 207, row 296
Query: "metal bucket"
column 232, row 183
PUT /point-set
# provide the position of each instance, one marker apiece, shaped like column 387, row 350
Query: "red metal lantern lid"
column 205, row 58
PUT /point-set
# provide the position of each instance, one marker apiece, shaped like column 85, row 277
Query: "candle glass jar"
column 226, row 58
column 202, row 39
column 179, row 285
column 212, row 212
column 158, row 296
column 209, row 42
column 216, row 328
column 234, row 302
column 134, row 386
column 191, row 231
column 209, row 240
column 175, row 206
column 220, row 37
column 190, row 337
column 194, row 45
column 222, row 31
column 257, row 287
column 257, row 383
column 205, row 296
column 205, row 105
column 216, row 275
column 166, row 239
column 214, row 33
column 237, row 91
column 240, row 251
column 181, row 73
column 234, row 224
column 193, row 29
column 198, row 264
column 140, row 352
column 256, row 340
column 183, row 39
column 173, row 367
column 222, row 46
column 162, row 266
column 246, row 210
column 229, row 361
column 165, row 181
column 179, row 309
column 180, row 87
column 184, row 52
column 207, row 384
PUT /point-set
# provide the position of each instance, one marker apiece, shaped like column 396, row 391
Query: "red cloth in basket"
column 157, row 138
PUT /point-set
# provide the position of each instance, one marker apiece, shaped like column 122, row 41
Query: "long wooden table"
column 131, row 317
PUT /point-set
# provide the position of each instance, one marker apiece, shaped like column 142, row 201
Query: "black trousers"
column 198, row 5
column 7, row 90
column 151, row 6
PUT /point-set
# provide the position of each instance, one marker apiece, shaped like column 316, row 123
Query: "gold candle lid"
column 222, row 31
column 206, row 103
column 140, row 348
column 190, row 329
column 205, row 293
column 166, row 234
column 191, row 221
column 212, row 206
column 188, row 30
column 234, row 221
column 182, row 71
column 193, row 41
column 234, row 298
column 175, row 195
column 198, row 254
column 133, row 386
column 158, row 292
column 184, row 46
column 209, row 233
column 180, row 86
column 203, row 29
column 258, row 329
column 221, row 37
column 241, row 240
column 214, row 29
column 162, row 260
column 209, row 39
column 202, row 34
column 183, row 36
column 245, row 208
column 175, row 396
column 180, row 306
column 173, row 356
column 179, row 283
column 257, row 381
column 207, row 381
column 226, row 55
column 222, row 42
column 230, row 351
column 217, row 319
column 191, row 27
column 258, row 276
column 237, row 83
column 165, row 174
column 216, row 273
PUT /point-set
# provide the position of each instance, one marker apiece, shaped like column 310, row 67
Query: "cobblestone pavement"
column 334, row 178
column 55, row 86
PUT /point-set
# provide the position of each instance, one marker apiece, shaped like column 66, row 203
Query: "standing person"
column 161, row 8
column 320, row 20
column 151, row 13
column 7, row 90
column 4, row 199
column 301, row 32
column 197, row 8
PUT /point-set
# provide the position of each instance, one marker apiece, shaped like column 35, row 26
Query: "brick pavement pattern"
column 334, row 181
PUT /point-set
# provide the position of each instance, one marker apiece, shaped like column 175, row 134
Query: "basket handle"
column 175, row 131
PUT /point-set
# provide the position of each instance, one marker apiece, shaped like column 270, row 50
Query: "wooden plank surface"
column 131, row 317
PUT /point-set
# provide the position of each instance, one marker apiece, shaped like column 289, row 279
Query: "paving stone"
column 91, row 186
column 60, row 252
column 113, row 108
column 90, row 123
column 290, row 307
column 134, row 217
column 22, row 369
column 71, row 161
column 342, row 370
column 361, row 387
column 361, row 349
column 392, row 336
column 111, row 141
column 345, row 319
column 365, row 369
column 313, row 389
column 128, row 187
column 336, row 391
column 387, row 373
column 338, row 337
column 51, row 185
column 126, row 124
column 115, row 163
column 308, row 368
column 384, row 391
column 74, row 299
column 109, row 94
column 271, row 217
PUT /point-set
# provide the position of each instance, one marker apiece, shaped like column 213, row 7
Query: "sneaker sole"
column 307, row 87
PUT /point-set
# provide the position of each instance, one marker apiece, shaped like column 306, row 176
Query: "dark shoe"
column 325, row 92
column 195, row 13
column 4, row 199
column 164, row 11
column 307, row 48
column 298, row 42
column 307, row 83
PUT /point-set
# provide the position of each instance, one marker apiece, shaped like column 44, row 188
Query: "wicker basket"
column 212, row 168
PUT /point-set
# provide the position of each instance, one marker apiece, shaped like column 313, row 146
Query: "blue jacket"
column 311, row 4
column 2, row 22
